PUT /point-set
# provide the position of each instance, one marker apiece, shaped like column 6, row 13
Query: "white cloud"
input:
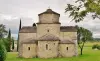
column 12, row 10
column 7, row 17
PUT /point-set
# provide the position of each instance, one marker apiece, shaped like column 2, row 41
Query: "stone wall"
column 43, row 29
column 49, row 18
column 47, row 49
column 23, row 38
column 66, row 50
column 70, row 35
column 29, row 50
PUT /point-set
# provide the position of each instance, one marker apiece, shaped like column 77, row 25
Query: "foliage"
column 18, row 35
column 84, row 8
column 2, row 51
column 9, row 41
column 12, row 43
column 83, row 35
column 3, row 31
column 96, row 46
column 5, row 41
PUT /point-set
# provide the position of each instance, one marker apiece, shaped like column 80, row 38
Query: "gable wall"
column 50, row 52
column 66, row 50
column 29, row 50
column 23, row 37
column 70, row 35
column 42, row 29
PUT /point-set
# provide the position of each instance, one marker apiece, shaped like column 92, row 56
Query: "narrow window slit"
column 46, row 47
column 47, row 30
column 28, row 48
column 66, row 48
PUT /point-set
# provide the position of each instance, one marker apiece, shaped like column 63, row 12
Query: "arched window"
column 46, row 46
column 28, row 48
column 66, row 48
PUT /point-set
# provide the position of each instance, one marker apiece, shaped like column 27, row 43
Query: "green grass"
column 88, row 55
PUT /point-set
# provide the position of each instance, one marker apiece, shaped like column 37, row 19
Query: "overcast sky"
column 12, row 10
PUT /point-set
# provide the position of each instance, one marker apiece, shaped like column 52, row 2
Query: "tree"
column 83, row 8
column 83, row 35
column 3, row 31
column 18, row 35
column 2, row 51
column 12, row 43
column 9, row 41
column 34, row 24
column 5, row 41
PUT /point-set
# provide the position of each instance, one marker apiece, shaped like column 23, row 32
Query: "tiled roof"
column 68, row 29
column 66, row 41
column 49, row 37
column 29, row 41
column 49, row 11
column 28, row 29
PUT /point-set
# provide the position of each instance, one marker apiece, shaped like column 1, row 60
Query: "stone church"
column 48, row 39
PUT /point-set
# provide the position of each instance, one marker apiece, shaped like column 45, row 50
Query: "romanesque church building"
column 48, row 39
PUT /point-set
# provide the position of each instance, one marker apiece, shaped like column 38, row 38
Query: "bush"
column 2, row 51
column 96, row 46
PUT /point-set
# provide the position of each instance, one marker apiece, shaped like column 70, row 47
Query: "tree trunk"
column 81, row 51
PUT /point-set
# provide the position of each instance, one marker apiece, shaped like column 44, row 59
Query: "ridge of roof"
column 49, row 37
column 68, row 29
column 49, row 11
column 66, row 41
column 28, row 29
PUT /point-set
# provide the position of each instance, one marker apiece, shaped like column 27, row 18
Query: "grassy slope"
column 88, row 55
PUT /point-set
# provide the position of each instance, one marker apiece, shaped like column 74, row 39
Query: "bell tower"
column 48, row 23
column 49, row 16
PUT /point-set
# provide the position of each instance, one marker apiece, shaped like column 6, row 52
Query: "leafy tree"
column 5, row 41
column 12, row 43
column 18, row 35
column 9, row 41
column 83, row 8
column 83, row 35
column 3, row 31
column 2, row 51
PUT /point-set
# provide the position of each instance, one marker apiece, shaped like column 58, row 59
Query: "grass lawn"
column 88, row 55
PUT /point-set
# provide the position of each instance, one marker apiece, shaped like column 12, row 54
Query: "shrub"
column 2, row 51
column 95, row 46
column 98, row 47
